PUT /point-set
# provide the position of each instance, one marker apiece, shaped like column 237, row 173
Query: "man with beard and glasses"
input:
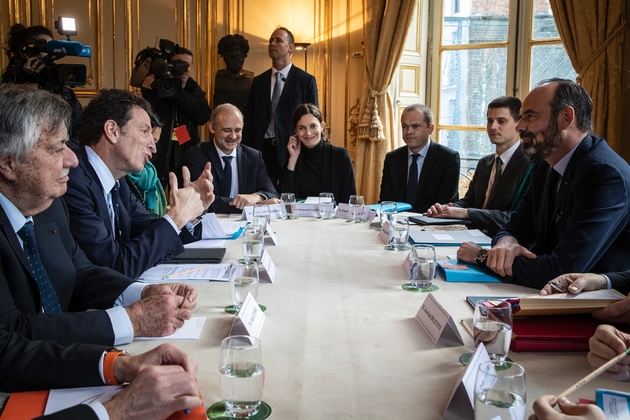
column 575, row 215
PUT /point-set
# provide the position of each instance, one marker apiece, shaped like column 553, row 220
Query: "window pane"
column 550, row 61
column 544, row 27
column 471, row 145
column 469, row 80
column 475, row 21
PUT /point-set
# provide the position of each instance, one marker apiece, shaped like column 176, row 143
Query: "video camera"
column 168, row 82
column 52, row 76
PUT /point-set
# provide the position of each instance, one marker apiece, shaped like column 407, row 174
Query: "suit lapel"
column 402, row 165
column 427, row 166
column 291, row 80
column 92, row 179
column 484, row 181
column 582, row 149
column 10, row 235
column 217, row 165
column 267, row 89
column 241, row 166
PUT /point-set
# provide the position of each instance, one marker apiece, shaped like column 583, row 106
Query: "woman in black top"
column 314, row 164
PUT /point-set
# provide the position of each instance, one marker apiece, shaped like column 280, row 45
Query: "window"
column 480, row 55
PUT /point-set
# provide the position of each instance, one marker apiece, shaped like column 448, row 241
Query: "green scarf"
column 148, row 184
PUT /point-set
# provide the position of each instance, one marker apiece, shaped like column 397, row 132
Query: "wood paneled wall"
column 118, row 29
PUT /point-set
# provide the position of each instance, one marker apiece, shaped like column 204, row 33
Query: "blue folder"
column 400, row 206
column 472, row 274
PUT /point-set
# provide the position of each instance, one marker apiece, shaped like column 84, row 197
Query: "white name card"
column 384, row 233
column 306, row 210
column 407, row 265
column 269, row 274
column 275, row 212
column 272, row 239
column 374, row 221
column 343, row 211
column 461, row 404
column 249, row 319
column 438, row 324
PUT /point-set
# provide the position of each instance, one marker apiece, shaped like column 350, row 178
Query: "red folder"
column 554, row 332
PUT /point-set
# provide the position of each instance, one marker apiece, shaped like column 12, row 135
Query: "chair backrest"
column 464, row 181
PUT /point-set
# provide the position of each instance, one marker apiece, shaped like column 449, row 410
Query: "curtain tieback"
column 620, row 26
column 371, row 127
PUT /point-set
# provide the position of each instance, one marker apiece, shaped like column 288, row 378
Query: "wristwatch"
column 482, row 254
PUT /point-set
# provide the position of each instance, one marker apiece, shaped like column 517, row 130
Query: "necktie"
column 412, row 181
column 275, row 98
column 226, row 186
column 116, row 206
column 47, row 293
column 498, row 164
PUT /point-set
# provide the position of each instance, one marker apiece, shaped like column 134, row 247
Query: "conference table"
column 340, row 339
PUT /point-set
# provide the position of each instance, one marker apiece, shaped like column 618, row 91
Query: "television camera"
column 49, row 75
column 168, row 82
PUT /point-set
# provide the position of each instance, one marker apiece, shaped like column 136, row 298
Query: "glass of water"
column 387, row 208
column 261, row 215
column 253, row 242
column 422, row 273
column 242, row 375
column 500, row 392
column 492, row 326
column 356, row 203
column 243, row 280
column 326, row 205
column 398, row 232
column 289, row 204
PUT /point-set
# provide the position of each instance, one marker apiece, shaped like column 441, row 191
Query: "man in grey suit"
column 422, row 172
column 492, row 191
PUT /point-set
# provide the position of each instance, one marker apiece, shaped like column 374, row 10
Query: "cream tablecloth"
column 340, row 340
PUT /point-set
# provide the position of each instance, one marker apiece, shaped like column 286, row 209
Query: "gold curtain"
column 385, row 25
column 593, row 32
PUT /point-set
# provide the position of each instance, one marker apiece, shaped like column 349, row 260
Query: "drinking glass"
column 387, row 208
column 261, row 215
column 242, row 375
column 243, row 280
column 422, row 257
column 289, row 204
column 492, row 326
column 356, row 203
column 500, row 392
column 398, row 232
column 326, row 205
column 253, row 242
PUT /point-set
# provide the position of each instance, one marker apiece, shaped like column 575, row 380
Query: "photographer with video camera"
column 176, row 98
column 29, row 64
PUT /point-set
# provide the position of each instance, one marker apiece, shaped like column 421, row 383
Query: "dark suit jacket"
column 590, row 230
column 438, row 181
column 191, row 110
column 80, row 285
column 337, row 174
column 38, row 365
column 144, row 240
column 300, row 88
column 500, row 201
column 620, row 281
column 252, row 173
column 80, row 411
